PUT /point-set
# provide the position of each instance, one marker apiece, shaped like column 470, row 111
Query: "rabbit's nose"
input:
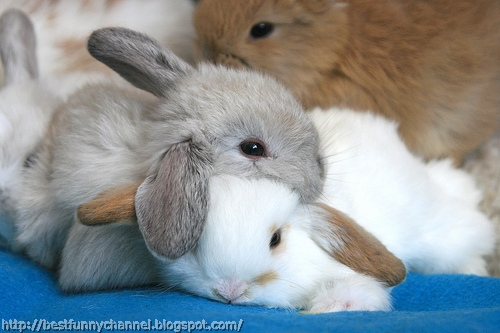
column 205, row 52
column 218, row 55
column 231, row 291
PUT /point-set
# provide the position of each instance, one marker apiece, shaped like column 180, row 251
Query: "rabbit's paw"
column 355, row 293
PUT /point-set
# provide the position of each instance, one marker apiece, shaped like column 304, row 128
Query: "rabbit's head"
column 209, row 121
column 261, row 246
column 296, row 41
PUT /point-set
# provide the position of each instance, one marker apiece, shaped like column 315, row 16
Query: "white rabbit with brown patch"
column 284, row 254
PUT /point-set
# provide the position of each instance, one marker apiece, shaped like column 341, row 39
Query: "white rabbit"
column 63, row 27
column 163, row 143
column 425, row 213
column 283, row 254
column 27, row 103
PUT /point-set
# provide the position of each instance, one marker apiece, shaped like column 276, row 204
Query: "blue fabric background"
column 424, row 303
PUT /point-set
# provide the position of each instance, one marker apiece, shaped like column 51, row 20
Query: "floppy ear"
column 355, row 247
column 137, row 58
column 172, row 206
column 113, row 205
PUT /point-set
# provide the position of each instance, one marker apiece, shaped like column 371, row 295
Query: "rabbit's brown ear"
column 113, row 205
column 172, row 205
column 355, row 247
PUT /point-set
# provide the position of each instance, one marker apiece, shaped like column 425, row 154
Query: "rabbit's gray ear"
column 353, row 246
column 137, row 58
column 18, row 46
column 172, row 206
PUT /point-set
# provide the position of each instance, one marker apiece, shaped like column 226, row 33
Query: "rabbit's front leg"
column 356, row 292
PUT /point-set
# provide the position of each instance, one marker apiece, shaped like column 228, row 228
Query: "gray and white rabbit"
column 166, row 140
column 388, row 206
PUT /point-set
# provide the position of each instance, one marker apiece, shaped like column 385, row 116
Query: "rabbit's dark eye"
column 253, row 148
column 261, row 30
column 275, row 239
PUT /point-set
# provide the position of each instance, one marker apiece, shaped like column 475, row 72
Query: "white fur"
column 425, row 213
column 234, row 252
column 25, row 110
column 57, row 22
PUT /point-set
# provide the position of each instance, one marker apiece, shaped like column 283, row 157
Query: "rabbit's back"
column 93, row 142
column 100, row 140
column 425, row 213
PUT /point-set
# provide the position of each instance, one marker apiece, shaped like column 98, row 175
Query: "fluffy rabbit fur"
column 162, row 143
column 27, row 103
column 183, row 144
column 284, row 254
column 63, row 27
column 425, row 213
column 312, row 257
column 433, row 65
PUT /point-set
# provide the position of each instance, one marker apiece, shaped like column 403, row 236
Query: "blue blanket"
column 423, row 303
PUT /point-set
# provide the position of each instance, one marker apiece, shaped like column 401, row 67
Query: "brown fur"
column 113, row 205
column 266, row 278
column 431, row 65
column 73, row 50
column 362, row 252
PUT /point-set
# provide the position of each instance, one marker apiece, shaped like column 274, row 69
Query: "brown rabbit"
column 431, row 65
